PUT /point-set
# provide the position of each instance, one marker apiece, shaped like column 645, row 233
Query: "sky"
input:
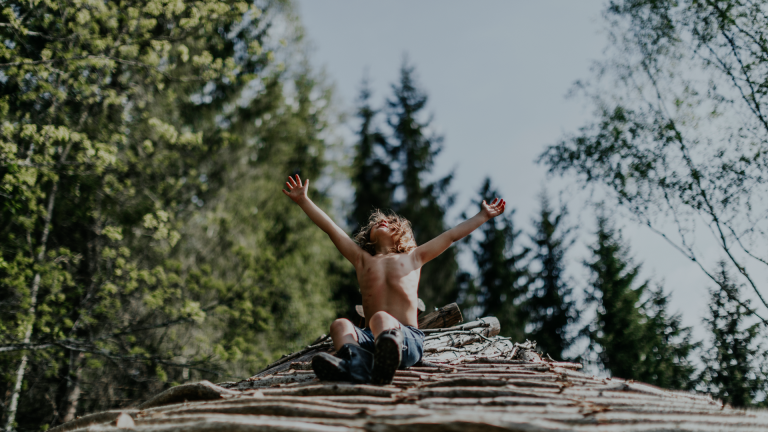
column 497, row 74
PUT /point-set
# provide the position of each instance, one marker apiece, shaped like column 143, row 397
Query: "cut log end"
column 446, row 316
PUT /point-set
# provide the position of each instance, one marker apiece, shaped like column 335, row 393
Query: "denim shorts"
column 413, row 343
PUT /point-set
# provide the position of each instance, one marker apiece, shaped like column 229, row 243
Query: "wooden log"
column 92, row 419
column 332, row 389
column 467, row 382
column 490, row 322
column 274, row 408
column 446, row 316
column 203, row 390
column 239, row 423
column 274, row 380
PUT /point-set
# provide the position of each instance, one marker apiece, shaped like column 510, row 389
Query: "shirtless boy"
column 388, row 264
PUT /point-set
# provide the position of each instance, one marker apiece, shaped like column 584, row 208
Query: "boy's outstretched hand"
column 495, row 208
column 296, row 190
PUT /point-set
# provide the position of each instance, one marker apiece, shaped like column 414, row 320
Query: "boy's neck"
column 381, row 249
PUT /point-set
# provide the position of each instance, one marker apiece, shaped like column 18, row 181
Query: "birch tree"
column 679, row 135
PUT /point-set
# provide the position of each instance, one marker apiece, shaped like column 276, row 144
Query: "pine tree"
column 424, row 204
column 734, row 365
column 503, row 277
column 550, row 307
column 637, row 339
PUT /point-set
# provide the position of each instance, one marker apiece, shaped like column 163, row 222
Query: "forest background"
column 144, row 242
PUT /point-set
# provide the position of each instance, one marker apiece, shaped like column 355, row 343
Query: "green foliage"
column 270, row 263
column 618, row 329
column 550, row 307
column 634, row 339
column 680, row 125
column 503, row 277
column 142, row 148
column 735, row 366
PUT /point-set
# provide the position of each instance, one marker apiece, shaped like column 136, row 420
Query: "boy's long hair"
column 401, row 228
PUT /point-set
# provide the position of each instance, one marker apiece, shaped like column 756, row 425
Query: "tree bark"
column 13, row 406
column 73, row 387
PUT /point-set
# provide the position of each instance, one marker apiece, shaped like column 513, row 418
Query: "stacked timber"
column 469, row 380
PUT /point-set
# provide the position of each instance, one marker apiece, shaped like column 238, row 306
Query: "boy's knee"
column 383, row 319
column 341, row 325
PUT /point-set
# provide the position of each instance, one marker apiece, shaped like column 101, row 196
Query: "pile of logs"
column 469, row 380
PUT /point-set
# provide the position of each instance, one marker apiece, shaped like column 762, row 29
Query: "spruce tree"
column 637, row 339
column 550, row 307
column 733, row 365
column 667, row 361
column 503, row 276
column 423, row 203
column 373, row 189
column 371, row 170
column 618, row 328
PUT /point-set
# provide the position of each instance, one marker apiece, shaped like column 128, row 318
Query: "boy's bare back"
column 388, row 280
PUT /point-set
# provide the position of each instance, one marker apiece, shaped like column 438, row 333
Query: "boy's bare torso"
column 390, row 283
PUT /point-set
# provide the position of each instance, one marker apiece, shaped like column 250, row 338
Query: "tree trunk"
column 73, row 387
column 13, row 406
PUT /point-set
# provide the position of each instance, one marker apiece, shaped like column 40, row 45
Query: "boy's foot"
column 351, row 363
column 387, row 357
column 330, row 368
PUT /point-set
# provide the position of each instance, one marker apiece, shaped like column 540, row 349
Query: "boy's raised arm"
column 297, row 191
column 430, row 250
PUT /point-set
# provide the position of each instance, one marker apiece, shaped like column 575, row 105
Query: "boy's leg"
column 388, row 352
column 351, row 362
column 382, row 321
column 413, row 346
column 343, row 332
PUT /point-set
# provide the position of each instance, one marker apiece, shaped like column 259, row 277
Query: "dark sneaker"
column 330, row 368
column 387, row 357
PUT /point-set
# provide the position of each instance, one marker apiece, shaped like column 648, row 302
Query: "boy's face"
column 381, row 232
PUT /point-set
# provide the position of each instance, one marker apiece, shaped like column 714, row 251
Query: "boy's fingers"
column 298, row 179
column 293, row 182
